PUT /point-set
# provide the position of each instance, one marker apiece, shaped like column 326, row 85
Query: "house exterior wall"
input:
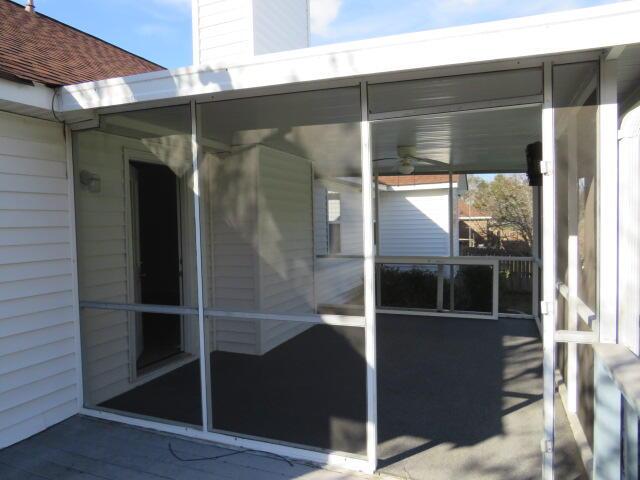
column 414, row 222
column 105, row 266
column 231, row 30
column 260, row 245
column 338, row 280
column 38, row 341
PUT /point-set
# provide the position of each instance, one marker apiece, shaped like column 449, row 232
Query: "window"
column 333, row 221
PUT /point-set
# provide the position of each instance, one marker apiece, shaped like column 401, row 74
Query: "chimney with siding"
column 233, row 30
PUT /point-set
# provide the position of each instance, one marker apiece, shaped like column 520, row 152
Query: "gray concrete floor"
column 462, row 398
column 457, row 399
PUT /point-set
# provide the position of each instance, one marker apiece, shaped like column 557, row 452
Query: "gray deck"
column 83, row 448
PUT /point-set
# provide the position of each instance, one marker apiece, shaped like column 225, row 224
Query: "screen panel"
column 143, row 365
column 134, row 208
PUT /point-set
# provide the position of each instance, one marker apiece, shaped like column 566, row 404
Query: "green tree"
column 507, row 199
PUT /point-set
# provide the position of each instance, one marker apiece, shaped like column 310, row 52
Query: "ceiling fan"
column 406, row 160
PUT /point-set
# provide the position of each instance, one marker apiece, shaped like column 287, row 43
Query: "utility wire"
column 230, row 454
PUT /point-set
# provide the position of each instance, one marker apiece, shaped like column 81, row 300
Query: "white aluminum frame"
column 493, row 262
column 607, row 428
column 75, row 290
column 369, row 279
column 548, row 305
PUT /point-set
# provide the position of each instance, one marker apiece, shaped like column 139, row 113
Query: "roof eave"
column 26, row 98
column 529, row 37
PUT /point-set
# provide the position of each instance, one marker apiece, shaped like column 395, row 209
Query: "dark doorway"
column 157, row 252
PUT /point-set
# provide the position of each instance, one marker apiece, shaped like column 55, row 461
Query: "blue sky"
column 160, row 30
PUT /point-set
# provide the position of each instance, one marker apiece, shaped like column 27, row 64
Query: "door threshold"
column 163, row 367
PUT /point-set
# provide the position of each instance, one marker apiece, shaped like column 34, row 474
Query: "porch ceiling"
column 480, row 140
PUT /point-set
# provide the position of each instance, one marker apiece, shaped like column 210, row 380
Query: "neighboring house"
column 223, row 215
column 415, row 215
column 474, row 226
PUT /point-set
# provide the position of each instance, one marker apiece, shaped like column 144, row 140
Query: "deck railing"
column 470, row 286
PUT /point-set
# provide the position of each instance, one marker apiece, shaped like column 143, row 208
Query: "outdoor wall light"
column 90, row 180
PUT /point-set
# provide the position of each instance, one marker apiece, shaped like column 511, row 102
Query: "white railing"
column 444, row 268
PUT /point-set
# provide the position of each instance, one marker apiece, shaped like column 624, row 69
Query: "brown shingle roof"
column 34, row 47
column 407, row 180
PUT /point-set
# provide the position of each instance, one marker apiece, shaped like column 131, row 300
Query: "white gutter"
column 557, row 33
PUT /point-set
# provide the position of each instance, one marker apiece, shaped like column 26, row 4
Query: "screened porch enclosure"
column 266, row 167
column 241, row 260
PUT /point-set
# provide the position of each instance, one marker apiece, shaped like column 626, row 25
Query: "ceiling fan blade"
column 385, row 159
column 427, row 161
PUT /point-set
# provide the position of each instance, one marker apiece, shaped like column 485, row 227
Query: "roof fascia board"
column 37, row 98
column 542, row 35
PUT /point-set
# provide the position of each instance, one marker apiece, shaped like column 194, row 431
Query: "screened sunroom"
column 304, row 267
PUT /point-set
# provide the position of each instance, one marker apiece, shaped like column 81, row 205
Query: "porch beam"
column 614, row 52
column 462, row 108
column 369, row 279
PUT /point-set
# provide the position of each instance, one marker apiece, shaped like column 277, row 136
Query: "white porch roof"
column 497, row 45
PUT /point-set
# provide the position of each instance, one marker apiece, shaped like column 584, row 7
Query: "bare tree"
column 507, row 199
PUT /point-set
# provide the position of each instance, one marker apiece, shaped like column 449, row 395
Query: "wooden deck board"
column 83, row 448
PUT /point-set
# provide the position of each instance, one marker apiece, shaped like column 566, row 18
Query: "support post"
column 608, row 203
column 369, row 279
column 572, row 267
column 204, row 384
column 535, row 253
column 440, row 289
column 549, row 274
column 607, row 436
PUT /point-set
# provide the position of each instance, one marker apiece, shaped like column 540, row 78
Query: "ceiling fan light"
column 406, row 169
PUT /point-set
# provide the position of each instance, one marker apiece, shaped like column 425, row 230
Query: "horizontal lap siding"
column 38, row 363
column 339, row 281
column 260, row 249
column 231, row 246
column 285, row 209
column 224, row 30
column 103, row 262
column 414, row 223
column 280, row 25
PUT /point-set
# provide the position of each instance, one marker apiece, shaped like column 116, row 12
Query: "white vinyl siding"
column 414, row 222
column 286, row 243
column 103, row 258
column 38, row 359
column 261, row 245
column 339, row 280
column 280, row 25
column 102, row 265
column 228, row 31
column 224, row 30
